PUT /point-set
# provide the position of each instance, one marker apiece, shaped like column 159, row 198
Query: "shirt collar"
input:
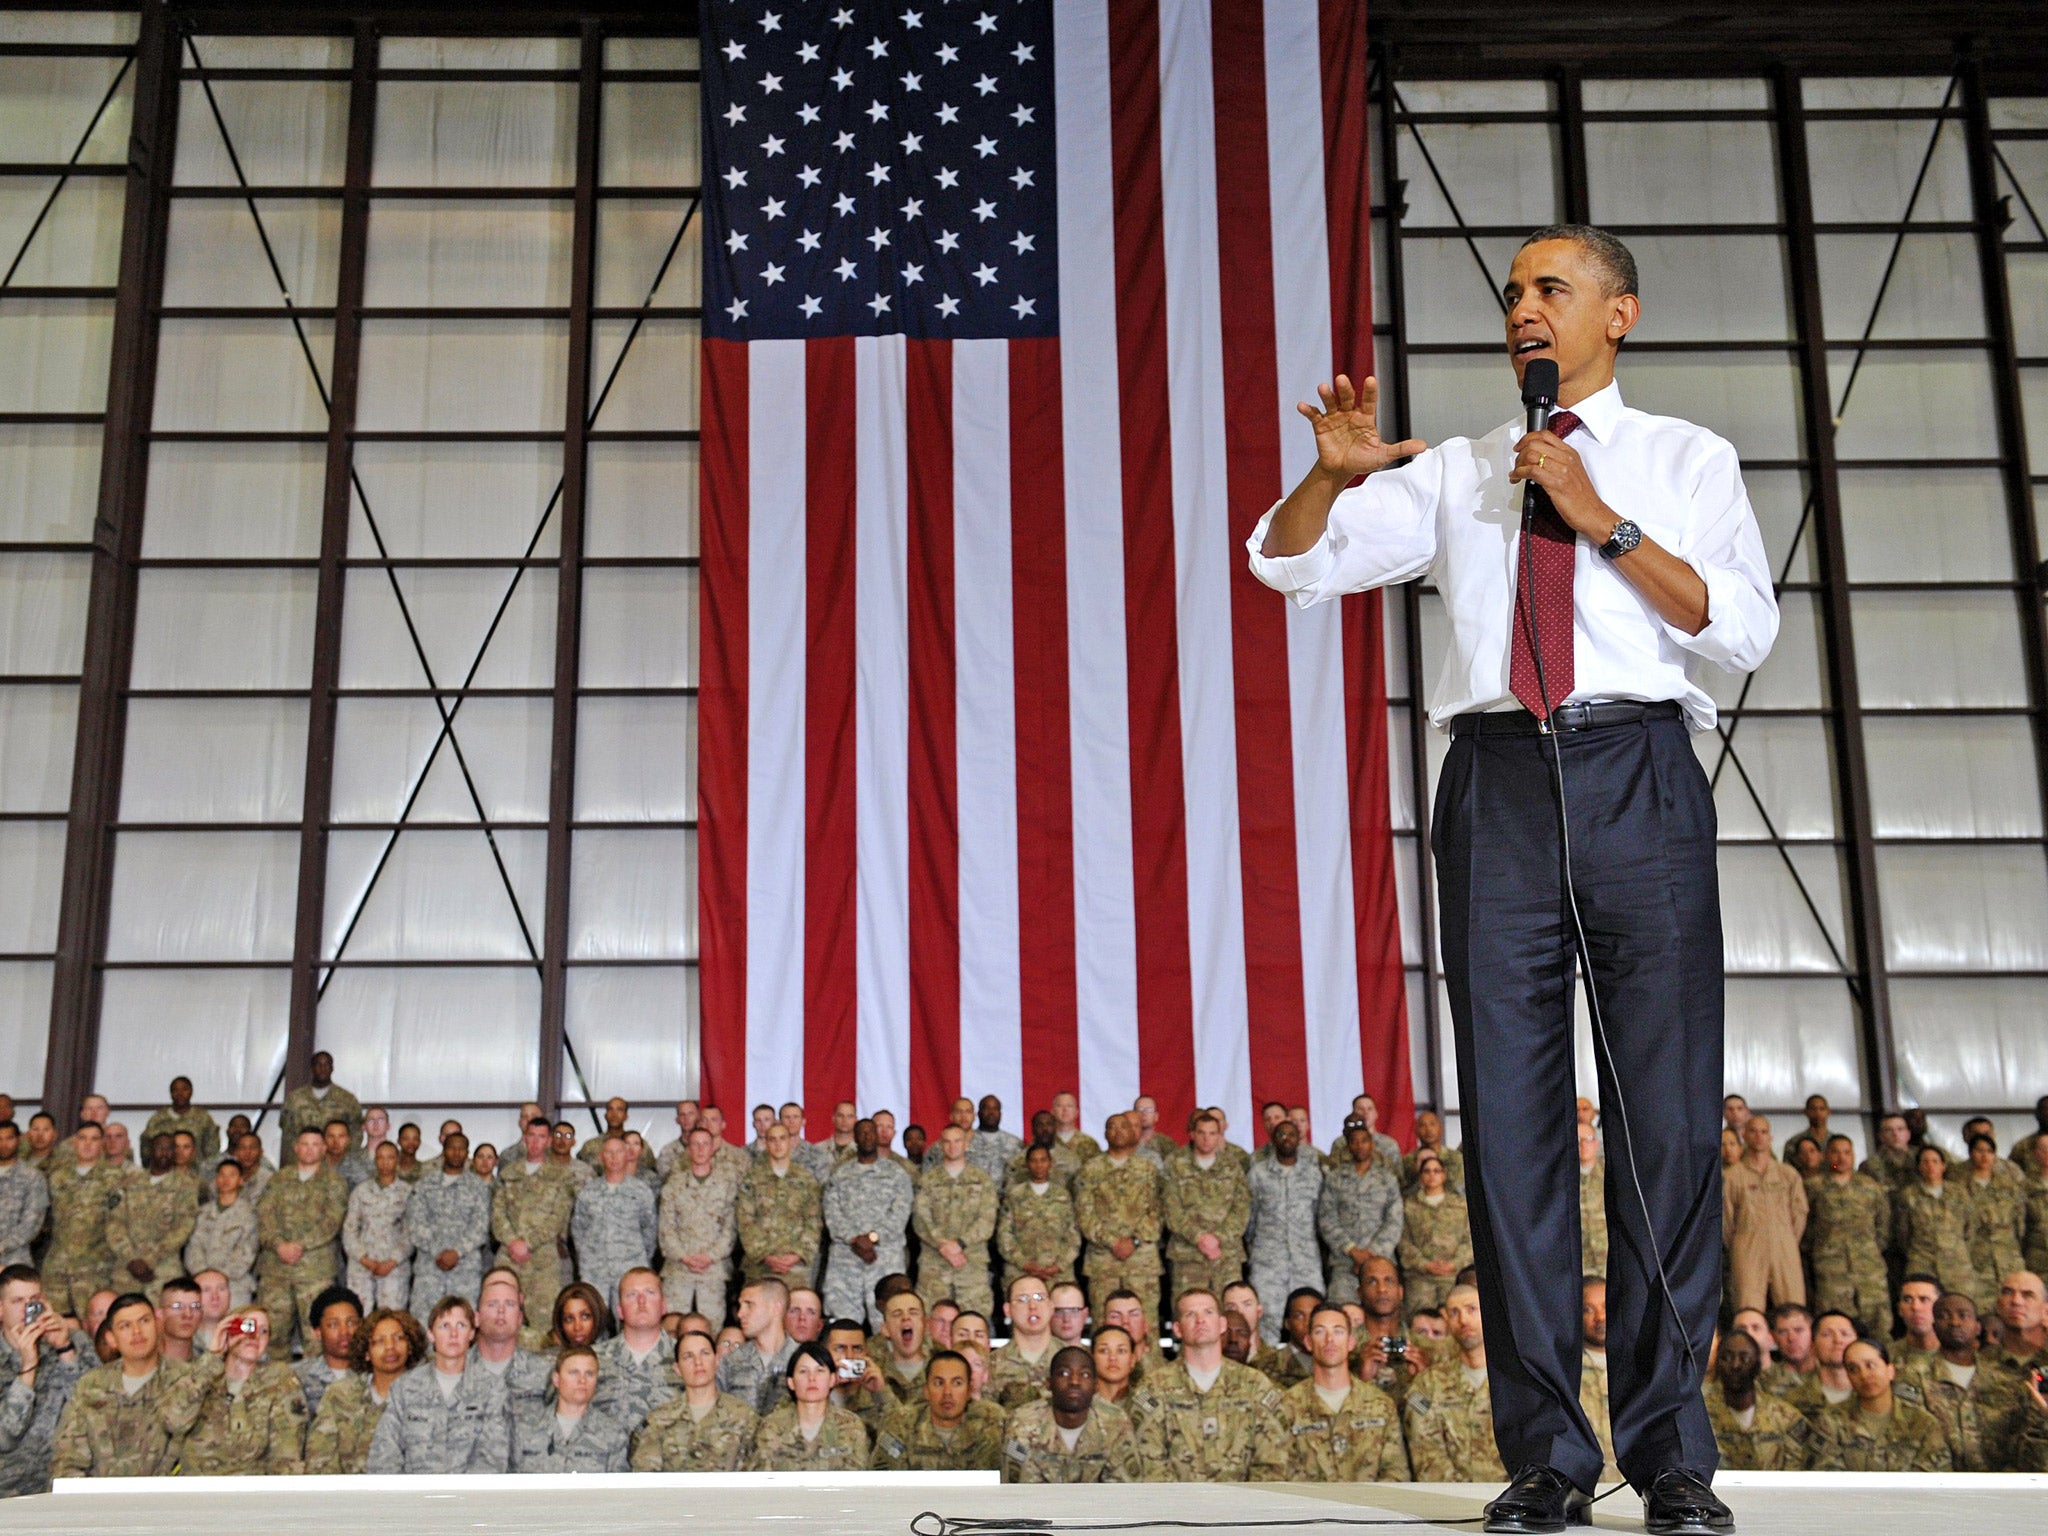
column 1599, row 412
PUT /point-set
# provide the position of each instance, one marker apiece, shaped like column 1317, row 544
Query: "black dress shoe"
column 1679, row 1503
column 1539, row 1499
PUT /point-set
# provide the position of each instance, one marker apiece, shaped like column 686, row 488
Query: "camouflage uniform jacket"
column 910, row 1442
column 29, row 1414
column 779, row 1444
column 224, row 1238
column 1386, row 1152
column 1964, row 1413
column 343, row 1426
column 1908, row 1439
column 260, row 1429
column 757, row 1379
column 1230, row 1434
column 1593, row 1217
column 315, row 1377
column 1282, row 1218
column 1066, row 1167
column 1998, row 1227
column 1894, row 1170
column 1848, row 1224
column 1778, row 1439
column 1933, row 1232
column 870, row 1197
column 80, row 1203
column 699, row 1215
column 422, row 1431
column 196, row 1122
column 1450, row 1428
column 960, row 1210
column 443, row 1213
column 990, row 1151
column 375, row 1225
column 2036, row 1253
column 24, row 1203
column 815, row 1157
column 534, row 1208
column 1037, row 1226
column 779, row 1215
column 2031, row 1448
column 306, row 1110
column 596, row 1442
column 1454, row 1169
column 672, row 1441
column 1434, row 1232
column 1112, row 1202
column 1106, row 1452
column 591, row 1155
column 107, row 1432
column 1014, row 1381
column 1357, row 1212
column 1080, row 1143
column 614, row 1225
column 151, row 1221
column 296, row 1210
column 1359, row 1441
column 635, row 1388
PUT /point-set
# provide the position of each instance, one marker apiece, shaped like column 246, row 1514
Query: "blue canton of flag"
column 875, row 170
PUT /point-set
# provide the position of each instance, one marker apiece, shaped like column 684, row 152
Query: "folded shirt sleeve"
column 1724, row 545
column 1381, row 531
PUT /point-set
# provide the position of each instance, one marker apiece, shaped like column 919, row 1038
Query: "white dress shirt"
column 1453, row 512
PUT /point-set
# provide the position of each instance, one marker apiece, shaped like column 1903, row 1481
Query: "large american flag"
column 1012, row 780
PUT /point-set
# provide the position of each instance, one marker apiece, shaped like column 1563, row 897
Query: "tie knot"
column 1564, row 423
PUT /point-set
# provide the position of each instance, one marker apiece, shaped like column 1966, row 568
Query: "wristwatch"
column 1625, row 538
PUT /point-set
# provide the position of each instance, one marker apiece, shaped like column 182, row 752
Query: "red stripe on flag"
column 830, row 1031
column 1382, row 984
column 722, row 735
column 934, row 785
column 1258, row 623
column 1045, row 784
column 1158, row 799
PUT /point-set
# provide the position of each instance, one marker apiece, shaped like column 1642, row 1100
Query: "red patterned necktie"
column 1547, row 564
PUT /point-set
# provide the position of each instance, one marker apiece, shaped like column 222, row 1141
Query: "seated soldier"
column 126, row 1418
column 949, row 1431
column 1756, row 1431
column 809, row 1432
column 1112, row 1352
column 1877, row 1432
column 901, row 1364
column 569, row 1434
column 1950, row 1385
column 444, row 1416
column 386, row 1345
column 1448, row 1414
column 1202, row 1418
column 860, row 1385
column 703, row 1429
column 1070, row 1313
column 1072, row 1436
column 336, row 1314
column 1341, row 1429
column 251, row 1415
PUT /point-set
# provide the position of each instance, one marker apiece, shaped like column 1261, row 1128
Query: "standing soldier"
column 1359, row 1212
column 1229, row 1432
column 150, row 1221
column 1849, row 1219
column 698, row 1227
column 1045, row 1132
column 614, row 1222
column 1998, row 1217
column 955, row 1215
column 448, row 1221
column 530, row 1213
column 1208, row 1207
column 1449, row 1412
column 1891, row 1161
column 1037, row 1232
column 991, row 1148
column 373, row 1236
column 1592, row 1203
column 24, row 1198
column 224, row 1235
column 1066, row 1114
column 779, row 1214
column 83, row 1189
column 1429, row 1137
column 1340, row 1429
column 866, row 1206
column 1436, row 1237
column 298, row 1225
column 181, row 1116
column 310, row 1107
column 1763, row 1217
column 1120, row 1203
column 1931, row 1225
column 1284, row 1254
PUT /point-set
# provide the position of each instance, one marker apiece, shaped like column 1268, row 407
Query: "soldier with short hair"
column 698, row 1228
column 1877, row 1431
column 1963, row 1399
column 446, row 1416
column 866, row 1206
column 954, row 1215
column 1017, row 1370
column 701, row 1429
column 41, row 1360
column 337, row 1313
column 1849, row 1221
column 1202, row 1418
column 181, row 1116
column 756, row 1371
column 151, row 1218
column 1286, row 1181
column 950, row 1431
column 530, row 1214
column 809, row 1432
column 1756, row 1431
column 298, row 1227
column 374, row 1237
column 24, row 1198
column 447, row 1222
column 1340, row 1429
column 224, row 1234
column 83, row 1191
column 989, row 1147
column 1358, row 1213
column 780, row 1215
column 614, row 1222
column 310, row 1106
column 1429, row 1138
column 1449, row 1414
column 1436, row 1236
column 1763, row 1217
column 126, row 1418
column 1208, row 1206
column 1037, row 1232
column 1119, row 1202
column 1071, row 1436
column 251, row 1416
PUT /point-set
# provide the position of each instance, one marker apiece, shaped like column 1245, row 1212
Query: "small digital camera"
column 852, row 1370
column 33, row 1313
column 1394, row 1348
column 246, row 1326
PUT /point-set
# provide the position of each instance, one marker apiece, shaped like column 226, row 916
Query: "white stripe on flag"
column 1315, row 653
column 775, row 728
column 991, row 988
column 881, row 637
column 1105, row 919
column 1201, row 518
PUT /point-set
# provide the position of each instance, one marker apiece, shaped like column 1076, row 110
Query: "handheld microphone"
column 1539, row 399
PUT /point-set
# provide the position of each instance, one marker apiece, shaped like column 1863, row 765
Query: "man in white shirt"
column 1577, row 633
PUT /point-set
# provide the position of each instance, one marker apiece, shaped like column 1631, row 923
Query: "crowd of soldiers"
column 1058, row 1309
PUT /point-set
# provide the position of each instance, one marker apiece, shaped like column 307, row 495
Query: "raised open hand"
column 1348, row 441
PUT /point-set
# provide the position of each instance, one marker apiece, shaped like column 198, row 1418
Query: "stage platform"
column 1765, row 1504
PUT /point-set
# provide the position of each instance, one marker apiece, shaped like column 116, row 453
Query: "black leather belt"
column 1566, row 717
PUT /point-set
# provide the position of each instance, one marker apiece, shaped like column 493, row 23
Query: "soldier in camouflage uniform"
column 310, row 1107
column 1357, row 1438
column 447, row 1222
column 530, row 1214
column 373, row 1235
column 698, row 1229
column 614, row 1224
column 1208, row 1206
column 1285, row 1184
column 1045, row 1132
column 1891, row 1161
column 1777, row 1437
column 1998, row 1216
column 431, row 1428
column 107, row 1430
column 1592, row 1204
column 836, row 1440
column 251, row 1417
column 947, row 1432
column 1106, row 1447
column 1232, row 1433
column 298, row 1224
column 181, row 1116
column 2035, row 1189
column 756, row 1370
column 701, row 1429
column 1449, row 1417
column 390, row 1343
column 224, row 1235
column 989, row 1147
column 1119, row 1202
column 1436, row 1239
column 1429, row 1137
column 1931, row 1226
column 1966, row 1413
column 1066, row 1114
column 1849, row 1220
column 83, row 1190
column 150, row 1222
column 1359, row 1211
column 1877, row 1431
column 40, row 1364
column 954, row 1213
column 866, row 1205
column 24, row 1199
column 1037, row 1232
column 780, row 1214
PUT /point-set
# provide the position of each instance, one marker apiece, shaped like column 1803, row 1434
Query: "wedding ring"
column 1541, row 459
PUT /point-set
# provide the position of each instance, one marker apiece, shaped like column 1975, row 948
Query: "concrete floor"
column 1809, row 1505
